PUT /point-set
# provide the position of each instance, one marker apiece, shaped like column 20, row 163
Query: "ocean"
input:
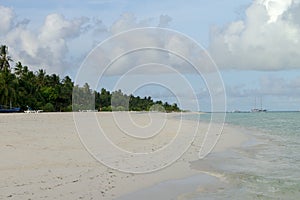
column 265, row 167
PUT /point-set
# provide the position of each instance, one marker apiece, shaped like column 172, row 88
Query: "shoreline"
column 204, row 179
column 44, row 158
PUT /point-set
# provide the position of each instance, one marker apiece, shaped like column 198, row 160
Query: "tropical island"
column 23, row 88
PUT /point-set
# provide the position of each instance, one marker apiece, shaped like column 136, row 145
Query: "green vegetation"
column 40, row 91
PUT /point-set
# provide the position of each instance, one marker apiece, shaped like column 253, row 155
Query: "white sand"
column 42, row 156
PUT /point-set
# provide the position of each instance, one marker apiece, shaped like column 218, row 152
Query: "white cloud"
column 57, row 26
column 147, row 45
column 48, row 46
column 44, row 48
column 127, row 21
column 6, row 15
column 267, row 39
column 275, row 8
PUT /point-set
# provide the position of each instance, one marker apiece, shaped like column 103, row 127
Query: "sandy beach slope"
column 42, row 156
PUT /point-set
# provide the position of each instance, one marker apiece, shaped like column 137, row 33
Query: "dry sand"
column 42, row 156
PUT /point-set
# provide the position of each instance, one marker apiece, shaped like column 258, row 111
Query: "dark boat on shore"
column 5, row 109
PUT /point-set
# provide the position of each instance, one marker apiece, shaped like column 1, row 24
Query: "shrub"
column 48, row 107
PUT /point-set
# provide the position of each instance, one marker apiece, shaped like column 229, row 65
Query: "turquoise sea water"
column 268, row 168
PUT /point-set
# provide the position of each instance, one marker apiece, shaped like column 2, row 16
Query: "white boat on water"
column 257, row 109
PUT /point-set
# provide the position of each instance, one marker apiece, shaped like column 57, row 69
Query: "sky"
column 255, row 45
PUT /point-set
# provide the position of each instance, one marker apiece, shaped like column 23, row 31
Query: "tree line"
column 21, row 87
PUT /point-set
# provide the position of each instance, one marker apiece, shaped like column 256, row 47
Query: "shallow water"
column 175, row 189
column 265, row 167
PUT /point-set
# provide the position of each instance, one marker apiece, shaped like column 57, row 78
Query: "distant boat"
column 257, row 109
column 5, row 109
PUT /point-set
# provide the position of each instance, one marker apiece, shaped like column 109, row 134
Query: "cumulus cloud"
column 57, row 26
column 267, row 39
column 48, row 46
column 45, row 48
column 275, row 8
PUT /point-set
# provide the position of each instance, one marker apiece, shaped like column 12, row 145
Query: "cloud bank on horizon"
column 268, row 38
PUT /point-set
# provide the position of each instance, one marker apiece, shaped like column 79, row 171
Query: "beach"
column 150, row 100
column 42, row 156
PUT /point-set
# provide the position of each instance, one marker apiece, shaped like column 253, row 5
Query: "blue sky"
column 255, row 44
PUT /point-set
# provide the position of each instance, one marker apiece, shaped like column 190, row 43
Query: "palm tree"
column 8, row 87
column 18, row 69
column 4, row 58
column 8, row 80
column 66, row 93
column 41, row 74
